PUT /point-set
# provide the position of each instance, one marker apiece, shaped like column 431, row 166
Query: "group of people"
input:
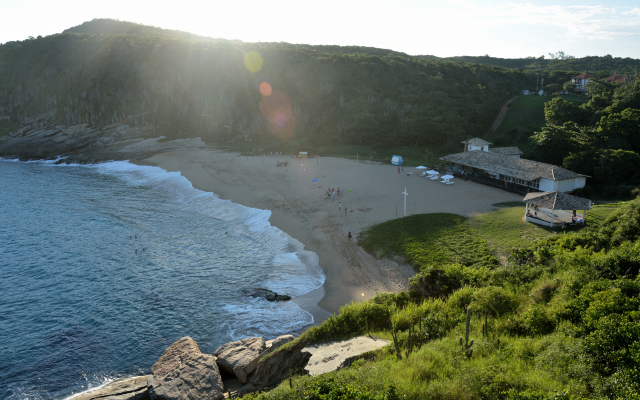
column 278, row 153
column 535, row 212
column 333, row 194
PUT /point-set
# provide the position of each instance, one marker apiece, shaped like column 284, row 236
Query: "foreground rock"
column 122, row 389
column 184, row 373
column 274, row 368
column 277, row 342
column 329, row 357
column 240, row 357
column 267, row 294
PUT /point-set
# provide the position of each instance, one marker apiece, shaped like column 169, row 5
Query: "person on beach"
column 349, row 236
column 398, row 170
column 339, row 206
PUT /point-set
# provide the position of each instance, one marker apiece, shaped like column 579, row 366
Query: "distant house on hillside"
column 476, row 144
column 581, row 82
column 482, row 145
column 615, row 78
column 502, row 166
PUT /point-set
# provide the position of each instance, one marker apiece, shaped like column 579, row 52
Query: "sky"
column 442, row 28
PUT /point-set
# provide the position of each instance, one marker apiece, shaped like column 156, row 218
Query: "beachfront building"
column 555, row 208
column 503, row 169
column 581, row 82
column 512, row 151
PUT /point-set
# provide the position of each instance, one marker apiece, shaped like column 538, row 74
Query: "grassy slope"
column 428, row 239
column 526, row 112
column 521, row 352
column 431, row 239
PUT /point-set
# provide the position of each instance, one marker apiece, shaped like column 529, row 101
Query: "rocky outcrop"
column 38, row 138
column 267, row 294
column 277, row 366
column 240, row 357
column 184, row 373
column 277, row 342
column 122, row 389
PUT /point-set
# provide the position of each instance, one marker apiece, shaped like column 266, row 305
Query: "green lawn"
column 504, row 228
column 441, row 238
column 428, row 239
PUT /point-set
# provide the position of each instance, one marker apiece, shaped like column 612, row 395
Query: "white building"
column 518, row 173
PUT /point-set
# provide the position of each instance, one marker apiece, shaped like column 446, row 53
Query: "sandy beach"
column 372, row 193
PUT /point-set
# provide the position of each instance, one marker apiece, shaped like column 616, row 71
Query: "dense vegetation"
column 603, row 66
column 598, row 138
column 562, row 322
column 106, row 72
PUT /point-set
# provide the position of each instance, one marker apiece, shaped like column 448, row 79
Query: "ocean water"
column 104, row 266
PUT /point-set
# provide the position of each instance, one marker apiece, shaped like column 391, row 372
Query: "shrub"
column 495, row 300
column 544, row 292
column 391, row 299
column 350, row 321
column 443, row 280
column 459, row 300
column 538, row 321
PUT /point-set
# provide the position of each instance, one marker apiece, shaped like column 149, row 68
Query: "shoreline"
column 299, row 208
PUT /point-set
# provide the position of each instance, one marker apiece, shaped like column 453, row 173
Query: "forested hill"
column 601, row 66
column 104, row 72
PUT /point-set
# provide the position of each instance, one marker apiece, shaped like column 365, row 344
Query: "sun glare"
column 265, row 89
column 253, row 61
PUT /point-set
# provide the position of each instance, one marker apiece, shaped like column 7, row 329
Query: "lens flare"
column 265, row 89
column 253, row 61
column 277, row 110
column 280, row 119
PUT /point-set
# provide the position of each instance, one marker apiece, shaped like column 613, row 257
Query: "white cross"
column 405, row 201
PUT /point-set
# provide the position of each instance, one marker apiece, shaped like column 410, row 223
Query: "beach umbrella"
column 421, row 167
column 432, row 172
column 447, row 177
column 314, row 180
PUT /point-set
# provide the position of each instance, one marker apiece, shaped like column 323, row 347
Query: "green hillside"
column 601, row 66
column 558, row 319
column 104, row 72
column 525, row 116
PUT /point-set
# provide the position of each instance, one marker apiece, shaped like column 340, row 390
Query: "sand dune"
column 371, row 190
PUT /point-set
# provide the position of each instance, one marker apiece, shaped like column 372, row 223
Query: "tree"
column 624, row 125
column 558, row 111
column 553, row 143
column 606, row 167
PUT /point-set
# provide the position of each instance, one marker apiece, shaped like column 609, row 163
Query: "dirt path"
column 500, row 116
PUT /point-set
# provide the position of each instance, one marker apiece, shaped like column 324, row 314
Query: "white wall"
column 481, row 148
column 566, row 185
column 546, row 185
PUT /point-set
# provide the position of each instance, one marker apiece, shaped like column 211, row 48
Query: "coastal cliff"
column 40, row 137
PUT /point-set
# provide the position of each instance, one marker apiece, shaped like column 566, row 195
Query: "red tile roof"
column 584, row 76
column 617, row 78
